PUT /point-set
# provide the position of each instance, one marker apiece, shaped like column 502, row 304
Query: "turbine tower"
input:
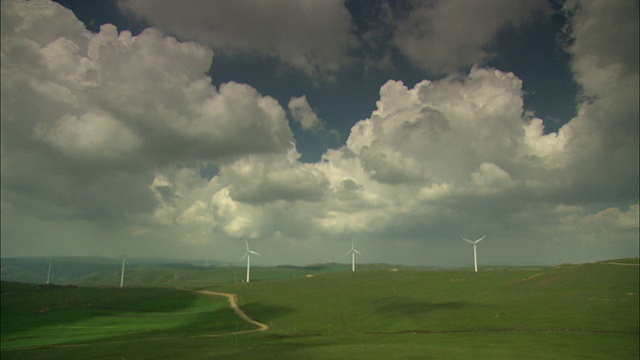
column 475, row 253
column 248, row 256
column 124, row 260
column 353, row 252
column 49, row 272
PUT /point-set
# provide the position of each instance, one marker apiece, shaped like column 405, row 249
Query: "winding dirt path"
column 233, row 303
column 622, row 264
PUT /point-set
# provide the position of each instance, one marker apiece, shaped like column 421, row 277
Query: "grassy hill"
column 53, row 315
column 88, row 270
column 97, row 271
column 587, row 311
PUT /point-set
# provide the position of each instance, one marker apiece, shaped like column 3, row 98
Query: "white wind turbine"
column 49, row 272
column 248, row 256
column 124, row 260
column 475, row 253
column 353, row 252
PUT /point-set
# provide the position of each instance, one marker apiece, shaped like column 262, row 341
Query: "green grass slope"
column 587, row 311
column 41, row 316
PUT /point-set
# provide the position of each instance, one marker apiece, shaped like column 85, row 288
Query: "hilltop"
column 100, row 271
column 567, row 311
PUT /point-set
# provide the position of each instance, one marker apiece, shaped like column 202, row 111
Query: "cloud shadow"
column 400, row 306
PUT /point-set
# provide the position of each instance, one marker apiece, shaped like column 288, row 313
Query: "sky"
column 181, row 129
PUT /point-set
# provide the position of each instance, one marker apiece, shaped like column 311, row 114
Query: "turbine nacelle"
column 473, row 242
column 475, row 254
column 249, row 251
column 353, row 253
column 248, row 256
column 353, row 250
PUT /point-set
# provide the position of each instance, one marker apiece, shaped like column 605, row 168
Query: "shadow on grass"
column 39, row 315
column 209, row 323
column 401, row 306
column 265, row 313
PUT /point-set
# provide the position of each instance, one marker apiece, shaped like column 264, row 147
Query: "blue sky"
column 533, row 50
column 182, row 130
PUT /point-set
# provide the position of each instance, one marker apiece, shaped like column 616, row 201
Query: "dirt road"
column 233, row 302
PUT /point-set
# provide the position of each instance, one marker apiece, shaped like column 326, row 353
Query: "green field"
column 34, row 315
column 587, row 311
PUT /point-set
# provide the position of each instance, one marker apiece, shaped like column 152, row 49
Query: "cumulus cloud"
column 79, row 106
column 258, row 179
column 462, row 149
column 595, row 225
column 604, row 134
column 90, row 135
column 319, row 37
column 444, row 36
column 120, row 127
column 415, row 134
column 313, row 36
column 431, row 154
column 302, row 112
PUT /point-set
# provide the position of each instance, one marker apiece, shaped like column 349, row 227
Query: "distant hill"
column 77, row 270
column 101, row 271
column 569, row 311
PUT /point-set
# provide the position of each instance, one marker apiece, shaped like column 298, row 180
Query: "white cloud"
column 604, row 36
column 490, row 179
column 261, row 179
column 314, row 36
column 444, row 36
column 549, row 146
column 304, row 114
column 602, row 141
column 87, row 111
column 90, row 135
column 438, row 155
column 442, row 131
column 108, row 134
column 598, row 227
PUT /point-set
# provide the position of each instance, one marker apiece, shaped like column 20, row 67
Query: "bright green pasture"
column 592, row 297
column 35, row 315
column 576, row 311
column 585, row 311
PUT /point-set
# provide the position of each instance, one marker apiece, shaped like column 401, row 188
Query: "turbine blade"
column 467, row 240
column 244, row 256
column 247, row 244
column 254, row 252
column 357, row 252
column 483, row 236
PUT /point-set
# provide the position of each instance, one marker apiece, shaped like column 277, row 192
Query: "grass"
column 585, row 311
column 449, row 300
column 190, row 277
column 35, row 315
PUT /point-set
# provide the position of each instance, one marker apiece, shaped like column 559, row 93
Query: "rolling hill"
column 585, row 311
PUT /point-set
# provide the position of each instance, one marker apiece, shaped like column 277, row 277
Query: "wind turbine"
column 49, row 272
column 124, row 260
column 475, row 253
column 353, row 252
column 248, row 256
